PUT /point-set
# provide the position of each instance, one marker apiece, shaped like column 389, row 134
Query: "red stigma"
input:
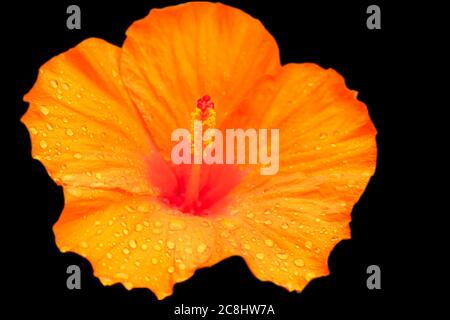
column 204, row 103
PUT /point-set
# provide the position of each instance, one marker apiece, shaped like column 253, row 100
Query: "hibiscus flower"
column 101, row 119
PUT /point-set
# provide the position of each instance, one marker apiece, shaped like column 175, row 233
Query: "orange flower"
column 101, row 117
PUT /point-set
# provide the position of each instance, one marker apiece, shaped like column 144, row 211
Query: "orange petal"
column 289, row 222
column 136, row 240
column 83, row 126
column 177, row 54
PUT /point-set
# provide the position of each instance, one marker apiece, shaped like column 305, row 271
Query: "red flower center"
column 198, row 189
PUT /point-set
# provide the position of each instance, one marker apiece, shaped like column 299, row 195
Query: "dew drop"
column 43, row 144
column 308, row 244
column 309, row 276
column 299, row 262
column 77, row 156
column 126, row 250
column 65, row 86
column 156, row 231
column 282, row 256
column 177, row 225
column 69, row 132
column 49, row 126
column 33, row 131
column 247, row 246
column 144, row 247
column 250, row 215
column 170, row 244
column 284, row 226
column 269, row 242
column 201, row 248
column 182, row 266
column 44, row 110
column 54, row 84
column 139, row 227
column 268, row 222
column 171, row 269
column 157, row 223
column 323, row 136
column 157, row 247
column 121, row 275
column 154, row 260
column 132, row 244
column 84, row 244
column 260, row 256
column 109, row 255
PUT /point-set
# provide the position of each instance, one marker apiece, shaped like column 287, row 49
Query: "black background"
column 330, row 34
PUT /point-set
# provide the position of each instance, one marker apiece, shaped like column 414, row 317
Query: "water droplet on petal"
column 299, row 262
column 33, row 131
column 84, row 244
column 54, row 84
column 43, row 144
column 282, row 256
column 158, row 223
column 308, row 244
column 154, row 260
column 65, row 86
column 44, row 110
column 269, row 242
column 323, row 136
column 144, row 247
column 132, row 244
column 77, row 156
column 177, row 225
column 109, row 255
column 170, row 245
column 69, row 132
column 309, row 276
column 126, row 250
column 201, row 248
column 171, row 269
column 260, row 256
column 139, row 227
column 121, row 275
